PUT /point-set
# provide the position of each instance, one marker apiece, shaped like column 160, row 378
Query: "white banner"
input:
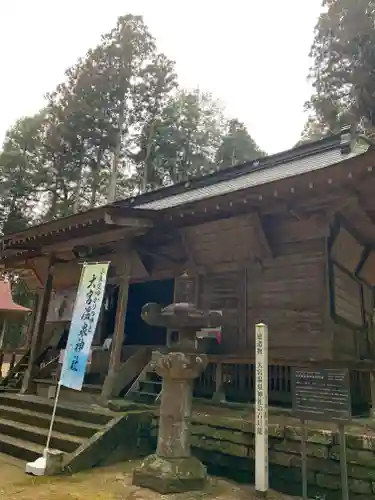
column 82, row 328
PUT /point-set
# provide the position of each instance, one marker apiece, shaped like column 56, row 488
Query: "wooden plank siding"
column 347, row 297
column 286, row 290
column 225, row 291
column 351, row 297
column 290, row 301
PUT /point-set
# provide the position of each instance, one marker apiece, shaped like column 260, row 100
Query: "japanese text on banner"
column 82, row 329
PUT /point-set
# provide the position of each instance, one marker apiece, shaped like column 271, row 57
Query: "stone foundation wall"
column 227, row 448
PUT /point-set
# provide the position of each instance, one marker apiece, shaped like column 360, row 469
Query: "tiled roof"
column 253, row 178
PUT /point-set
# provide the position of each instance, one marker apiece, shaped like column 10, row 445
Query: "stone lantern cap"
column 181, row 316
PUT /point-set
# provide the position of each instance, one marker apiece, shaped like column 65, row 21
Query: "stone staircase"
column 87, row 435
column 147, row 387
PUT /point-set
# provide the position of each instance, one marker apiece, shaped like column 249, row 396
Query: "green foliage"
column 343, row 53
column 118, row 125
column 15, row 333
column 237, row 146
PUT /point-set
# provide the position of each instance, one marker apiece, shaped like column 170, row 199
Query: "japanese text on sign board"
column 320, row 394
column 82, row 328
column 259, row 342
column 259, row 399
column 92, row 302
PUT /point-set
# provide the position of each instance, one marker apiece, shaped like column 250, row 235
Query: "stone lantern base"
column 170, row 475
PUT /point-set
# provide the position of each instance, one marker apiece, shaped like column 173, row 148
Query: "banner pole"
column 52, row 419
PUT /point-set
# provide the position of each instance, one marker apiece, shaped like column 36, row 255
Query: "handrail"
column 44, row 365
column 136, row 381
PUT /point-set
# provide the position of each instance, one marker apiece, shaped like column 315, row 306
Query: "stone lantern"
column 173, row 469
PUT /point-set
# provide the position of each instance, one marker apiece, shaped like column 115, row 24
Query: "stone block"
column 325, row 466
column 315, row 436
column 218, row 460
column 359, row 486
column 224, row 447
column 328, row 481
column 120, row 438
column 313, row 450
column 284, row 459
column 359, row 442
column 319, row 493
column 237, row 424
column 333, row 482
column 276, row 430
column 170, row 475
column 223, row 434
column 358, row 472
column 355, row 457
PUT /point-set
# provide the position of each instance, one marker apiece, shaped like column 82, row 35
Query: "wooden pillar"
column 119, row 331
column 39, row 325
column 32, row 320
column 219, row 394
column 2, row 335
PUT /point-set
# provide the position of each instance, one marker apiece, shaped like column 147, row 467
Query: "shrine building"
column 288, row 240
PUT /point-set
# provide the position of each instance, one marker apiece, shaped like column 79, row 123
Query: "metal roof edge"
column 81, row 218
column 325, row 144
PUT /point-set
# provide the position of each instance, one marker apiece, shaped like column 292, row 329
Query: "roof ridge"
column 302, row 151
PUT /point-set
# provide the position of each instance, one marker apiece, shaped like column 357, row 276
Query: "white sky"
column 251, row 54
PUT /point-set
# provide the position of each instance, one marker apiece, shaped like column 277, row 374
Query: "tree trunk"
column 116, row 158
column 79, row 182
column 145, row 177
column 95, row 177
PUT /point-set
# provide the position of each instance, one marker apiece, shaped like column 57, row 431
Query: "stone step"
column 17, row 448
column 153, row 376
column 8, row 388
column 150, row 386
column 144, row 397
column 63, row 425
column 95, row 388
column 37, row 435
column 41, row 405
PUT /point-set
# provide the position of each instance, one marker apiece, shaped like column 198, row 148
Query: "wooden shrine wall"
column 351, row 293
column 288, row 289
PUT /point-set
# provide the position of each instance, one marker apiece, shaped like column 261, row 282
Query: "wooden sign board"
column 321, row 394
column 61, row 305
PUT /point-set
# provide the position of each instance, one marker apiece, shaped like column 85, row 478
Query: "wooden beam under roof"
column 127, row 222
column 188, row 249
column 124, row 217
column 260, row 236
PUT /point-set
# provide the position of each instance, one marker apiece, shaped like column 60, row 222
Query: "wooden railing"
column 237, row 382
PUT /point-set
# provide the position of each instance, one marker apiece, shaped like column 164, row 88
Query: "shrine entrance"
column 137, row 332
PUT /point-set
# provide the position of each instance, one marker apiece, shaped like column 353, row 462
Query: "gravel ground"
column 111, row 483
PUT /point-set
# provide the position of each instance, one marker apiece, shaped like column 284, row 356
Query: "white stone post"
column 261, row 410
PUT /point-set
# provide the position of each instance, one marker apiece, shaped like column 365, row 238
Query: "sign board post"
column 261, row 410
column 322, row 395
column 304, row 458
